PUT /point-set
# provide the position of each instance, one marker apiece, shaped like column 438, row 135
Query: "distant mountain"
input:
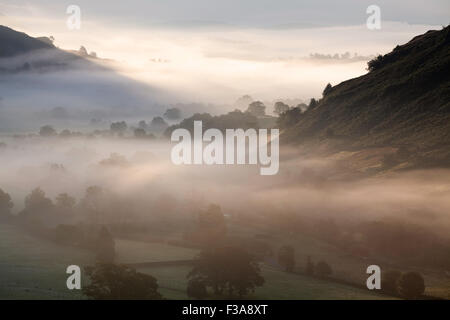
column 36, row 77
column 21, row 53
column 13, row 43
column 402, row 102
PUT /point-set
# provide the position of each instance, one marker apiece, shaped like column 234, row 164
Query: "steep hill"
column 402, row 102
column 14, row 43
column 36, row 77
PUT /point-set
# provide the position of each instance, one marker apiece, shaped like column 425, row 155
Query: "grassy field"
column 347, row 267
column 128, row 251
column 278, row 285
column 31, row 268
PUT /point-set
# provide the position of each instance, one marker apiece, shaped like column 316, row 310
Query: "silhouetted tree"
column 115, row 159
column 65, row 133
column 327, row 89
column 120, row 282
column 309, row 266
column 243, row 101
column 389, row 280
column 158, row 124
column 139, row 133
column 280, row 107
column 47, row 131
column 63, row 200
column 172, row 114
column 376, row 63
column 323, row 269
column 286, row 258
column 143, row 125
column 211, row 224
column 82, row 51
column 411, row 285
column 257, row 108
column 119, row 127
column 229, row 269
column 196, row 289
column 105, row 246
column 289, row 118
column 37, row 201
column 312, row 103
column 5, row 204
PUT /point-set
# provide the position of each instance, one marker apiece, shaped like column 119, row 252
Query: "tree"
column 289, row 118
column 229, row 269
column 280, row 107
column 82, row 51
column 211, row 224
column 389, row 280
column 105, row 246
column 5, row 204
column 47, row 131
column 243, row 101
column 143, row 125
column 172, row 114
column 376, row 63
column 312, row 103
column 120, row 282
column 196, row 289
column 139, row 133
column 411, row 285
column 309, row 266
column 65, row 133
column 158, row 124
column 257, row 108
column 93, row 198
column 115, row 159
column 286, row 258
column 63, row 200
column 327, row 89
column 119, row 127
column 37, row 201
column 323, row 269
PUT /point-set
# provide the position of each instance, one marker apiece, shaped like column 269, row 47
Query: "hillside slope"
column 37, row 77
column 14, row 43
column 403, row 102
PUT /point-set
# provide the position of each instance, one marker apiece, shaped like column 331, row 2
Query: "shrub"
column 411, row 285
column 323, row 269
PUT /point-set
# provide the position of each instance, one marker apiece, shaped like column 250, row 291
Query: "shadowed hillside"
column 14, row 43
column 37, row 77
column 402, row 102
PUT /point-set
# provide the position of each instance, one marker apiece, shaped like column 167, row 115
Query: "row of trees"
column 286, row 258
column 36, row 201
column 258, row 109
column 144, row 129
column 410, row 285
column 225, row 271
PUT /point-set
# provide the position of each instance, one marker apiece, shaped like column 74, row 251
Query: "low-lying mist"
column 141, row 171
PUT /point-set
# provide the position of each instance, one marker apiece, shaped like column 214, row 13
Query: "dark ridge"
column 404, row 101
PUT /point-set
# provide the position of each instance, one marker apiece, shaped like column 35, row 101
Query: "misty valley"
column 243, row 158
column 120, row 198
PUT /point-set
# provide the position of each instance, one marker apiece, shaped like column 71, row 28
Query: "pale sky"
column 216, row 51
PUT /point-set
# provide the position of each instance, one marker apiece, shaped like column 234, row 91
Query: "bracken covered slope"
column 404, row 102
